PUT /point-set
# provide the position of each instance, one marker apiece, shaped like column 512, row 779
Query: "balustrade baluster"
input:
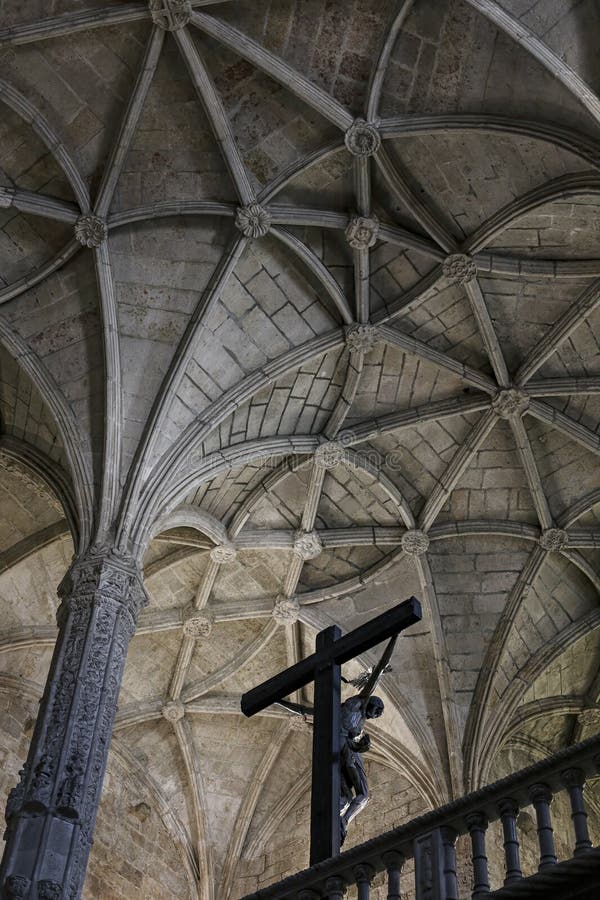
column 393, row 862
column 574, row 780
column 477, row 824
column 307, row 894
column 449, row 836
column 363, row 875
column 335, row 888
column 508, row 813
column 541, row 797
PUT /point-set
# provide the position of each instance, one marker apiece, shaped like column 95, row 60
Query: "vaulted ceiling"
column 300, row 303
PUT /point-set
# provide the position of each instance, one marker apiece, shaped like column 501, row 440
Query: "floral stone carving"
column 91, row 230
column 362, row 138
column 253, row 221
column 459, row 268
column 307, row 544
column 223, row 553
column 361, row 232
column 361, row 338
column 510, row 402
column 286, row 610
column 173, row 711
column 329, row 455
column 554, row 539
column 415, row 542
column 197, row 624
column 170, row 15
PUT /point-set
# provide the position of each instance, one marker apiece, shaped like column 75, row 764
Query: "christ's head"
column 374, row 708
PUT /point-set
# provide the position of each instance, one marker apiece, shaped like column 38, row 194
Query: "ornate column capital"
column 102, row 576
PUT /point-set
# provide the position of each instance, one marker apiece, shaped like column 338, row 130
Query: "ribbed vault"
column 300, row 304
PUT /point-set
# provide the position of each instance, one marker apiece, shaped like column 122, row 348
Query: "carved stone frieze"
column 253, row 221
column 329, row 454
column 197, row 623
column 362, row 138
column 286, row 610
column 223, row 553
column 16, row 887
column 553, row 539
column 459, row 268
column 510, row 402
column 361, row 232
column 170, row 15
column 49, row 890
column 307, row 544
column 415, row 542
column 361, row 338
column 91, row 230
column 31, row 481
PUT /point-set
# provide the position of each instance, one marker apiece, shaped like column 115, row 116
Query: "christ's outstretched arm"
column 379, row 669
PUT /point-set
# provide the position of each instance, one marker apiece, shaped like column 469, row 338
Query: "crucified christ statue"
column 354, row 741
column 339, row 788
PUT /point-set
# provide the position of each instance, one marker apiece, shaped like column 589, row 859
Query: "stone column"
column 50, row 814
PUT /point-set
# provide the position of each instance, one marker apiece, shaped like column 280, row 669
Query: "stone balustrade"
column 430, row 841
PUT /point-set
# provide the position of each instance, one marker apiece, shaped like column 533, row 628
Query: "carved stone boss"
column 51, row 812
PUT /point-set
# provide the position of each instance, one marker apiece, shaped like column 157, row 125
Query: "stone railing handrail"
column 566, row 769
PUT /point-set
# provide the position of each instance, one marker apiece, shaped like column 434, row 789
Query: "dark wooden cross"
column 324, row 668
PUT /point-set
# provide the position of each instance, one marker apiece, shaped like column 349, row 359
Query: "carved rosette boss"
column 553, row 539
column 459, row 268
column 361, row 232
column 361, row 338
column 56, row 799
column 362, row 138
column 90, row 230
column 196, row 623
column 286, row 610
column 223, row 553
column 329, row 454
column 170, row 15
column 510, row 402
column 253, row 221
column 307, row 544
column 415, row 542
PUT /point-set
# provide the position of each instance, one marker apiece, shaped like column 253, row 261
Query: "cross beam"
column 324, row 668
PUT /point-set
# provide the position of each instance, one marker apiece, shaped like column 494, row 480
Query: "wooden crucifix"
column 324, row 668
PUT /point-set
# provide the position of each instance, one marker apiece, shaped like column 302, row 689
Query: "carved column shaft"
column 50, row 814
